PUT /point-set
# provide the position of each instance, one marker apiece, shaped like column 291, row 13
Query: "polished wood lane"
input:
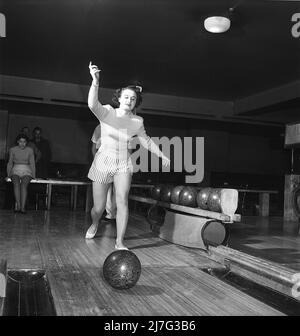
column 171, row 283
column 270, row 238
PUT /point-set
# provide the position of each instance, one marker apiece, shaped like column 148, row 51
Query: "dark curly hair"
column 134, row 88
column 22, row 136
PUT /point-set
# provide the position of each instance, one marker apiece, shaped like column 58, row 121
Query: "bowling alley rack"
column 208, row 231
column 186, row 225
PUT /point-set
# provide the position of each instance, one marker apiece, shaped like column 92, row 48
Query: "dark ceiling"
column 160, row 44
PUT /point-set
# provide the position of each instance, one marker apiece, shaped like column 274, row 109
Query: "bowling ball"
column 214, row 200
column 122, row 269
column 202, row 198
column 156, row 190
column 175, row 194
column 165, row 194
column 188, row 197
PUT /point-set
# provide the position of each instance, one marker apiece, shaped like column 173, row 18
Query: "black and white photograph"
column 149, row 161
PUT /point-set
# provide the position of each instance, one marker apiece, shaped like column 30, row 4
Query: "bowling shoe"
column 91, row 232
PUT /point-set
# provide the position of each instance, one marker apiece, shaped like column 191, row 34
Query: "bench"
column 73, row 184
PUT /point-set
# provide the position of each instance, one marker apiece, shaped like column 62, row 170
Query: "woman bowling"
column 21, row 169
column 112, row 162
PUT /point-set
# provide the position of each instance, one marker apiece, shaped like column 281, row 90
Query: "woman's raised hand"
column 94, row 71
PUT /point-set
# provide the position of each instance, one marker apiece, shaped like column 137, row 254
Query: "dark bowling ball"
column 122, row 269
column 202, row 198
column 156, row 191
column 214, row 200
column 175, row 194
column 165, row 195
column 188, row 197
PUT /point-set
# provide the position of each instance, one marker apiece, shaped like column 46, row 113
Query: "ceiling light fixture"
column 217, row 24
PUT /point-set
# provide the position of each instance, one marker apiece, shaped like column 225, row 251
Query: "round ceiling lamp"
column 217, row 24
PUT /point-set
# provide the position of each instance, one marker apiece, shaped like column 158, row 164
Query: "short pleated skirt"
column 105, row 167
column 21, row 170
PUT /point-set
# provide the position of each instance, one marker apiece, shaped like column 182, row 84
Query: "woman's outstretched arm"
column 149, row 144
column 93, row 102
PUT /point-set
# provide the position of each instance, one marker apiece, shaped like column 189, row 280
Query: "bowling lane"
column 171, row 282
column 18, row 239
column 269, row 238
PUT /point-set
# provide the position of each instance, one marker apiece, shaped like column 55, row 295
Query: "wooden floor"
column 270, row 238
column 171, row 284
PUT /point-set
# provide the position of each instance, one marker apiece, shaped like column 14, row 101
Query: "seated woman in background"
column 21, row 169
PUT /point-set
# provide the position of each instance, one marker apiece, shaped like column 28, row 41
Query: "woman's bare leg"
column 25, row 180
column 111, row 203
column 122, row 184
column 17, row 191
column 99, row 197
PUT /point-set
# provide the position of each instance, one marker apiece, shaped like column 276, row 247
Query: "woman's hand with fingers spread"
column 166, row 162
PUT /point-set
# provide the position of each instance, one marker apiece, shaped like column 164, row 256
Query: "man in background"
column 37, row 154
column 43, row 164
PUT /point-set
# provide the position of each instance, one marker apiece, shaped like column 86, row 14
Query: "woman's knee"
column 25, row 180
column 15, row 179
column 98, row 209
column 122, row 200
